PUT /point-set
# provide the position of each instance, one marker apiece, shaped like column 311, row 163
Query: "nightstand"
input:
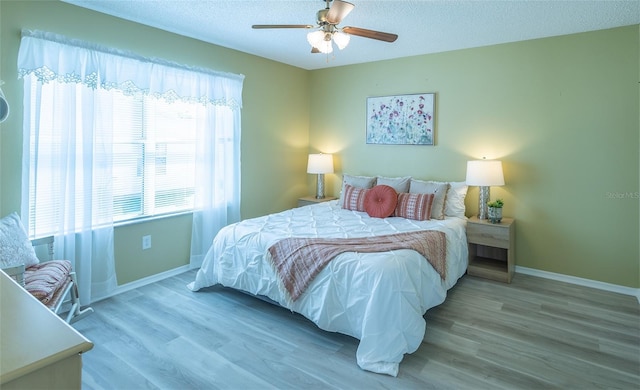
column 307, row 200
column 491, row 248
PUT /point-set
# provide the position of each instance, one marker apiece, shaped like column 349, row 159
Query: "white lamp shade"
column 341, row 39
column 485, row 173
column 320, row 163
column 315, row 38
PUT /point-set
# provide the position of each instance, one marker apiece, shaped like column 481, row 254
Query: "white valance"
column 54, row 57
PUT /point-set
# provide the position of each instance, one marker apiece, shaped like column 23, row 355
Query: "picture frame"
column 401, row 119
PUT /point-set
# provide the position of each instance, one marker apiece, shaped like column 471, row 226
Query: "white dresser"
column 37, row 348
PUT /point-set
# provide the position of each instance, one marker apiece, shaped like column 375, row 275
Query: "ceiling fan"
column 327, row 30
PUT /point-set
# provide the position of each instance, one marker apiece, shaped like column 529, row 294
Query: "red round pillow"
column 380, row 201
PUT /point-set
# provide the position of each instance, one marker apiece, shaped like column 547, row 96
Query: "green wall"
column 275, row 134
column 561, row 113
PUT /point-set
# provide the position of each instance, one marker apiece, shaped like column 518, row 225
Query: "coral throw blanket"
column 299, row 260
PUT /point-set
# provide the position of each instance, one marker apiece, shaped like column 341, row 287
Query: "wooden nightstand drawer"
column 491, row 249
column 488, row 234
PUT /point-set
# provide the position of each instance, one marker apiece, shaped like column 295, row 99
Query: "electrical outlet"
column 146, row 242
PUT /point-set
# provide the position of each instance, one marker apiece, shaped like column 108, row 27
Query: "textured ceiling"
column 423, row 26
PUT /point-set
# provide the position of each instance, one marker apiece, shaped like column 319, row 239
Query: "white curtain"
column 68, row 75
column 67, row 179
column 217, row 195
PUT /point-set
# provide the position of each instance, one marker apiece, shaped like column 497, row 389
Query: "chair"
column 52, row 282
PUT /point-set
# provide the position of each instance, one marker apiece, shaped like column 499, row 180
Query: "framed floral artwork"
column 401, row 119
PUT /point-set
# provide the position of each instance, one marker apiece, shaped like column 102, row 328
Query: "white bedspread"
column 379, row 298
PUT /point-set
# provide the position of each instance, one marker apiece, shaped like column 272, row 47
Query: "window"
column 153, row 156
column 112, row 136
column 154, row 146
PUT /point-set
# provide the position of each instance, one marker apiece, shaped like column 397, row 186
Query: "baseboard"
column 144, row 281
column 635, row 292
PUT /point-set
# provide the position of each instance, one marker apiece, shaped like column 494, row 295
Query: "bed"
column 379, row 298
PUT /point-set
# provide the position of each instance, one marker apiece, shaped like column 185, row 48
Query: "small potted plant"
column 495, row 210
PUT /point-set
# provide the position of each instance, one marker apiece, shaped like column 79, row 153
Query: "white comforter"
column 379, row 298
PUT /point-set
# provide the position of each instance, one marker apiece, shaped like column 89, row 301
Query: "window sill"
column 138, row 220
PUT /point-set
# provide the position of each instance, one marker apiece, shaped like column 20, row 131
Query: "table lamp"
column 320, row 164
column 484, row 173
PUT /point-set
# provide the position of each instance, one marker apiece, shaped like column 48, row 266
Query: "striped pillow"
column 439, row 190
column 414, row 206
column 44, row 279
column 354, row 198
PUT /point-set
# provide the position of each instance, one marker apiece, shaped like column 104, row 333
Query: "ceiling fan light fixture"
column 320, row 40
column 341, row 39
column 315, row 38
column 325, row 47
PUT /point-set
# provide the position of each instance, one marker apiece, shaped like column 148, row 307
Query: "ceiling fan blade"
column 362, row 32
column 315, row 50
column 339, row 9
column 260, row 26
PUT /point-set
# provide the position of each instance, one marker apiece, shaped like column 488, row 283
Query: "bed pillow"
column 439, row 191
column 354, row 198
column 454, row 204
column 356, row 181
column 380, row 201
column 400, row 184
column 15, row 247
column 414, row 206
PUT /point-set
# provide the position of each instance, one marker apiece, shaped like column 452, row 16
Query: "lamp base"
column 483, row 199
column 320, row 186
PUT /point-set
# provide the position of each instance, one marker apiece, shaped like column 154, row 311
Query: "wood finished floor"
column 531, row 334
